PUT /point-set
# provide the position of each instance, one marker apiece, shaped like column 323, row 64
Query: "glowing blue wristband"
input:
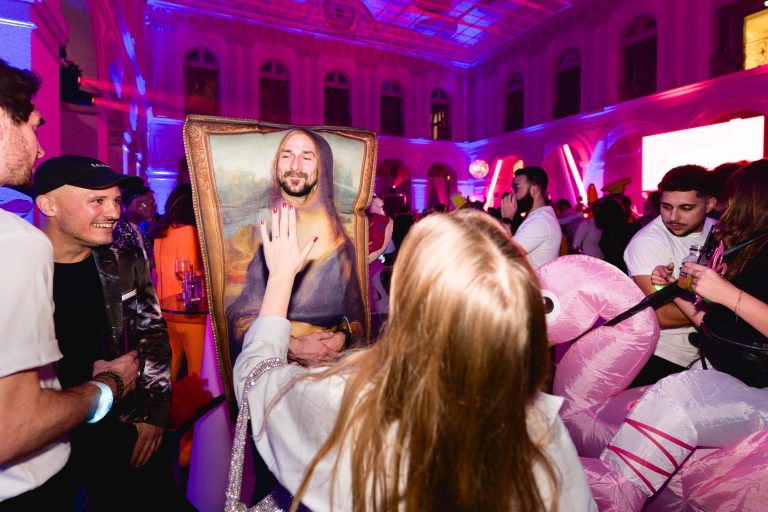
column 105, row 401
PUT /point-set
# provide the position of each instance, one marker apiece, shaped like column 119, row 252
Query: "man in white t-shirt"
column 687, row 196
column 34, row 413
column 539, row 234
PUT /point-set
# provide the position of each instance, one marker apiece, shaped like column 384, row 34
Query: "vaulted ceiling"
column 460, row 32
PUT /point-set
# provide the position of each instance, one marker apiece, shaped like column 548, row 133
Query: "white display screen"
column 710, row 146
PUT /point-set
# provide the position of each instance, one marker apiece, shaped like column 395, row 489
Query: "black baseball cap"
column 79, row 171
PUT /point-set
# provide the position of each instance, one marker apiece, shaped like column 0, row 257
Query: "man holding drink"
column 687, row 196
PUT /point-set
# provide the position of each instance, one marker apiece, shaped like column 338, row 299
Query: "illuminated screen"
column 710, row 146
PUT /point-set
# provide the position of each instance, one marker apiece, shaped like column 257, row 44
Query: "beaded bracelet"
column 118, row 382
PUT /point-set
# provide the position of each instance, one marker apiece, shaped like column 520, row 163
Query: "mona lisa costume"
column 326, row 294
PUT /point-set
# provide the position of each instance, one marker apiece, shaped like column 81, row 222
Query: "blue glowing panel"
column 16, row 33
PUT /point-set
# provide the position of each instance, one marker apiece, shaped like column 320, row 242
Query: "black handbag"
column 748, row 362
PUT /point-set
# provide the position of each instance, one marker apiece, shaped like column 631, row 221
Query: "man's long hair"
column 322, row 195
column 436, row 414
column 746, row 214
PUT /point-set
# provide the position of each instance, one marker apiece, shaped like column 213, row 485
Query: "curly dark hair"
column 17, row 88
column 689, row 177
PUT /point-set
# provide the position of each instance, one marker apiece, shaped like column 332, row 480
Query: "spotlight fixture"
column 70, row 77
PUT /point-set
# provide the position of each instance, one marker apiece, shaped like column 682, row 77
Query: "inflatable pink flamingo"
column 646, row 446
column 580, row 291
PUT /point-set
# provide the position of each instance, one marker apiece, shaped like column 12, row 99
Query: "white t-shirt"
column 540, row 236
column 655, row 245
column 299, row 423
column 27, row 338
column 587, row 238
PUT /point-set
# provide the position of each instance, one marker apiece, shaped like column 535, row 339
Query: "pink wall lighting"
column 571, row 164
column 492, row 187
column 710, row 146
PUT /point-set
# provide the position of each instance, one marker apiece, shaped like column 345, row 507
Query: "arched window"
column 514, row 104
column 439, row 104
column 201, row 83
column 274, row 105
column 336, row 99
column 639, row 50
column 568, row 84
column 392, row 109
column 441, row 185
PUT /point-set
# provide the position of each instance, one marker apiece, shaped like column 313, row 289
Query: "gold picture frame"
column 232, row 170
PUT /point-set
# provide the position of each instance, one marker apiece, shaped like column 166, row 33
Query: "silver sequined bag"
column 279, row 500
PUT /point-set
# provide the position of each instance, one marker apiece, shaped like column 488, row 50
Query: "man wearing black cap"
column 105, row 306
column 35, row 414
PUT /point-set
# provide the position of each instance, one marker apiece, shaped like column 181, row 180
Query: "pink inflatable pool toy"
column 694, row 441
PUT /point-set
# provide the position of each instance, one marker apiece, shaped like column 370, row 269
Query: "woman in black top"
column 735, row 322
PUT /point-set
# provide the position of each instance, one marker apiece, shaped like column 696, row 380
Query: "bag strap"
column 235, row 479
column 742, row 245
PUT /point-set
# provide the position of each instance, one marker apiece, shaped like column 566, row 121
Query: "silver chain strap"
column 235, row 480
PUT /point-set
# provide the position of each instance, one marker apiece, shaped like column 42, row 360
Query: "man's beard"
column 526, row 203
column 18, row 162
column 303, row 191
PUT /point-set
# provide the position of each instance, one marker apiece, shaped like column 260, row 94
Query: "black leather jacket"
column 136, row 323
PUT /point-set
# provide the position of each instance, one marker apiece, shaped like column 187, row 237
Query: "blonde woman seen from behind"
column 445, row 412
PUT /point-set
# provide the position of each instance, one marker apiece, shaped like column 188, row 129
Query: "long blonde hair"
column 435, row 414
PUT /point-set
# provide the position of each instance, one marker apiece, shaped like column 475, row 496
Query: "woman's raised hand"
column 709, row 284
column 281, row 251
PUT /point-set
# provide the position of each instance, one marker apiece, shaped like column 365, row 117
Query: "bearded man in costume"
column 326, row 309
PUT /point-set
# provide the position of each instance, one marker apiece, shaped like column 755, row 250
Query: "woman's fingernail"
column 290, row 207
column 261, row 221
column 274, row 210
column 315, row 240
column 284, row 205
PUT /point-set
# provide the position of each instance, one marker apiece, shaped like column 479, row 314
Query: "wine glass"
column 183, row 269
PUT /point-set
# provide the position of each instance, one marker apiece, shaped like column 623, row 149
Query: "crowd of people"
column 85, row 386
column 447, row 409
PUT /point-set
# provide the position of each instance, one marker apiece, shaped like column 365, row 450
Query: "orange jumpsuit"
column 187, row 332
